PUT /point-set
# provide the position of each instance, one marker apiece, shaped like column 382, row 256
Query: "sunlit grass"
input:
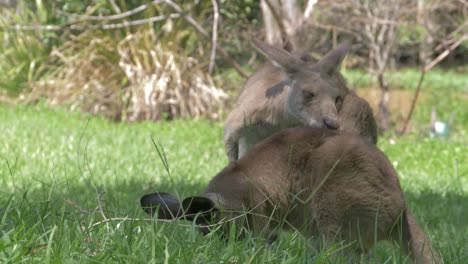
column 407, row 79
column 55, row 164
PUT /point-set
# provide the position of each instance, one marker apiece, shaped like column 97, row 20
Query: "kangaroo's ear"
column 198, row 205
column 282, row 58
column 332, row 61
column 166, row 205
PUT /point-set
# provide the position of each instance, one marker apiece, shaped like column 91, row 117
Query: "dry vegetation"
column 137, row 60
column 134, row 78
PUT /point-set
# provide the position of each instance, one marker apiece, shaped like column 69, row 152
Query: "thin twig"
column 243, row 214
column 309, row 8
column 123, row 219
column 278, row 19
column 205, row 34
column 444, row 54
column 99, row 202
column 413, row 102
column 115, row 6
column 334, row 27
column 425, row 69
column 215, row 36
column 86, row 163
column 113, row 17
column 90, row 185
column 180, row 12
column 90, row 27
column 11, row 173
column 450, row 36
column 72, row 203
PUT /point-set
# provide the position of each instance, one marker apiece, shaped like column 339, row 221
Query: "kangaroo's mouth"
column 314, row 123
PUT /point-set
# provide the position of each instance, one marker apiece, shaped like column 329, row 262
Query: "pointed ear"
column 166, row 205
column 284, row 59
column 332, row 61
column 198, row 205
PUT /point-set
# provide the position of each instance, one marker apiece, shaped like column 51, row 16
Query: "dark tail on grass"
column 415, row 242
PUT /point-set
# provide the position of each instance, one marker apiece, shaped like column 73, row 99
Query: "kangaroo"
column 296, row 92
column 323, row 183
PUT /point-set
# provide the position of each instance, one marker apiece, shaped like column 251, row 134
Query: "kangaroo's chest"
column 254, row 133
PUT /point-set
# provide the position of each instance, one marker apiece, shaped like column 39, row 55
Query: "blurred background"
column 152, row 60
column 102, row 101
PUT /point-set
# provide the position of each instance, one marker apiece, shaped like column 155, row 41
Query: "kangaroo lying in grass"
column 298, row 92
column 325, row 184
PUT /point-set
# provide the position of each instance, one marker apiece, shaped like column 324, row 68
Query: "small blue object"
column 439, row 129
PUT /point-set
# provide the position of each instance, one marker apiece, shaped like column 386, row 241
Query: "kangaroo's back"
column 325, row 184
column 352, row 189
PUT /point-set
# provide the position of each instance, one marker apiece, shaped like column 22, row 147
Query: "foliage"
column 88, row 77
column 129, row 79
column 124, row 74
column 23, row 52
column 55, row 164
column 80, row 65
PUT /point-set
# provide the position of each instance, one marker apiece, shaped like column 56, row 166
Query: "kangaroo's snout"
column 331, row 123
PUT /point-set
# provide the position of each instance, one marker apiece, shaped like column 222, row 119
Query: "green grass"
column 55, row 163
column 407, row 79
column 446, row 91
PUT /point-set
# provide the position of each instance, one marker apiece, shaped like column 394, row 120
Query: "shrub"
column 133, row 78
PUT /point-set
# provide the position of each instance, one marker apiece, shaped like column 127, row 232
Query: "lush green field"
column 55, row 165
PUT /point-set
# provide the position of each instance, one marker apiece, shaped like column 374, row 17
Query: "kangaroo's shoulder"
column 302, row 136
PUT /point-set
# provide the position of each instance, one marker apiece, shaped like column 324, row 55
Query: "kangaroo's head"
column 316, row 91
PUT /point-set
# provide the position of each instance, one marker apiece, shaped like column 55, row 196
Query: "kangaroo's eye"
column 338, row 101
column 308, row 95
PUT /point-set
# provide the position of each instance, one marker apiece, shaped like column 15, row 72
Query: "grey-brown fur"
column 325, row 184
column 274, row 98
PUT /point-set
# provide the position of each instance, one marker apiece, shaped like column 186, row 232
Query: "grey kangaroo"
column 296, row 92
column 334, row 186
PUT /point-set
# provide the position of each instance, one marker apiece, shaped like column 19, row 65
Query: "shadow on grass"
column 442, row 216
column 445, row 220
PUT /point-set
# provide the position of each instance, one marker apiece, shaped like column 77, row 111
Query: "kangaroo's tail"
column 415, row 242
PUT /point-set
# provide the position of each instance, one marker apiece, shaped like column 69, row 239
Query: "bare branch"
column 274, row 28
column 445, row 53
column 124, row 219
column 113, row 17
column 413, row 102
column 205, row 34
column 115, row 6
column 99, row 194
column 334, row 28
column 124, row 24
column 425, row 69
column 91, row 27
column 214, row 43
column 309, row 8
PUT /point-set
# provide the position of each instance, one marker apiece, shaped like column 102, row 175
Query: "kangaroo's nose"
column 331, row 123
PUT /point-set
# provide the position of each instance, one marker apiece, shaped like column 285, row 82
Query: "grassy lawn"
column 55, row 164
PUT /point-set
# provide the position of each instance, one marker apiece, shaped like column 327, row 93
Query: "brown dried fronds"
column 88, row 76
column 129, row 79
column 163, row 83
